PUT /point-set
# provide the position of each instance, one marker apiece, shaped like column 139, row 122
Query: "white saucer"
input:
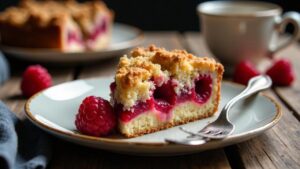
column 54, row 111
column 124, row 37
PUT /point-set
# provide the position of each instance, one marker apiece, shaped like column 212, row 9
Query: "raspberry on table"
column 35, row 78
column 281, row 72
column 95, row 117
column 244, row 71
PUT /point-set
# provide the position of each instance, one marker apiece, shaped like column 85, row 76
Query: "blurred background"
column 179, row 15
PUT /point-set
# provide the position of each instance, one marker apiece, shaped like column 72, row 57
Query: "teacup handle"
column 288, row 18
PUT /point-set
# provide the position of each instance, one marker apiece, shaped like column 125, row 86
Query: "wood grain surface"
column 291, row 95
column 279, row 147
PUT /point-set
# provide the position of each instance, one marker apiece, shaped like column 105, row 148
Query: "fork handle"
column 256, row 84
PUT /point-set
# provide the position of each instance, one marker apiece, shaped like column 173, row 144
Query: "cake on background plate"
column 156, row 89
column 64, row 25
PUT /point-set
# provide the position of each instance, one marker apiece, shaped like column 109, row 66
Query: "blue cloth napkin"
column 4, row 69
column 22, row 145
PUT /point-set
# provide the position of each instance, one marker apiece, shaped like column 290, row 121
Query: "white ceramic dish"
column 54, row 111
column 124, row 38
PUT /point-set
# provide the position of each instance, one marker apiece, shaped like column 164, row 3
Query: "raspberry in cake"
column 156, row 89
column 63, row 25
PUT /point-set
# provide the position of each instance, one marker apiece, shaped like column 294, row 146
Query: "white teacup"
column 235, row 30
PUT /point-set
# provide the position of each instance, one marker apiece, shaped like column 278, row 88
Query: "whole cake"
column 64, row 25
column 156, row 89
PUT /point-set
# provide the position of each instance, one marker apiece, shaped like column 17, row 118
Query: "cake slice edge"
column 148, row 122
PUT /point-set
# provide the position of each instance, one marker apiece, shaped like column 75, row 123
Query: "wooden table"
column 279, row 147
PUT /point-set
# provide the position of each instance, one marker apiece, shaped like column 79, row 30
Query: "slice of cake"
column 156, row 89
column 64, row 25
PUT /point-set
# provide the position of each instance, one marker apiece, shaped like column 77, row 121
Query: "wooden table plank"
column 11, row 95
column 168, row 40
column 277, row 148
column 89, row 158
column 291, row 95
column 82, row 157
column 195, row 43
column 10, row 92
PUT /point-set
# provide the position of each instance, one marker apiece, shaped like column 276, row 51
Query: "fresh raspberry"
column 281, row 72
column 244, row 71
column 95, row 117
column 35, row 79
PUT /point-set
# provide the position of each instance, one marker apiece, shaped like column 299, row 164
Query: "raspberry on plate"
column 95, row 117
column 35, row 78
column 281, row 72
column 244, row 71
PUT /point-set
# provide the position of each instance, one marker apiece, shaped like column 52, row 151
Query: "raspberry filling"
column 126, row 116
column 99, row 29
column 203, row 89
column 164, row 98
column 73, row 36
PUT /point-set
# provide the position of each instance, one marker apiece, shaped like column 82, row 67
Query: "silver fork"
column 222, row 127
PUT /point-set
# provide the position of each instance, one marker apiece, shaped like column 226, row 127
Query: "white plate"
column 124, row 38
column 54, row 111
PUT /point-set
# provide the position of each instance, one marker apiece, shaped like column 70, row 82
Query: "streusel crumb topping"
column 137, row 72
column 44, row 13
